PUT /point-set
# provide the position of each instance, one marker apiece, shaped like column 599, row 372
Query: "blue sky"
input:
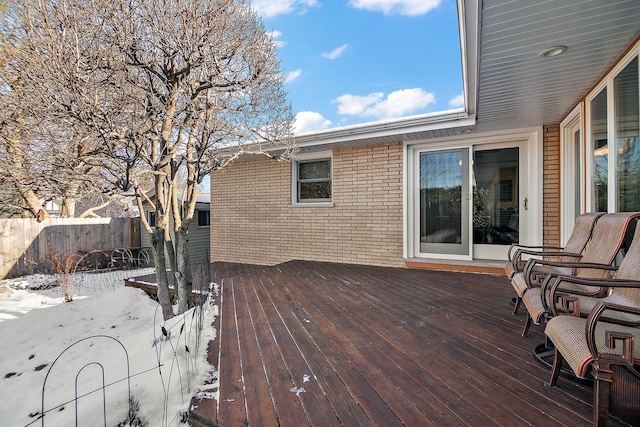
column 356, row 61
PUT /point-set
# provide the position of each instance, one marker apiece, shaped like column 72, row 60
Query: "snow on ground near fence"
column 104, row 319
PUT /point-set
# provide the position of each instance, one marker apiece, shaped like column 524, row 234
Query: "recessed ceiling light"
column 552, row 51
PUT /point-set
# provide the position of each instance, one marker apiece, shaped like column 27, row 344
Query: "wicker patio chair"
column 575, row 245
column 596, row 262
column 590, row 345
column 607, row 351
column 572, row 251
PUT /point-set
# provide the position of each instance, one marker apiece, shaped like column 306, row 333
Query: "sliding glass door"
column 468, row 202
column 497, row 202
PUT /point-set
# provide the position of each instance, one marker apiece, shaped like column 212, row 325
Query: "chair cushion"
column 510, row 269
column 519, row 282
column 532, row 299
column 568, row 335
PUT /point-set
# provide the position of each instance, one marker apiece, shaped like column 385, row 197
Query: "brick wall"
column 551, row 185
column 252, row 220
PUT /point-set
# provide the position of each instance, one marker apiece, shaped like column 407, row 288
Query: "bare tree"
column 157, row 89
column 16, row 174
column 43, row 153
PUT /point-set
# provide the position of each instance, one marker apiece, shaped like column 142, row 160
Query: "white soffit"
column 516, row 88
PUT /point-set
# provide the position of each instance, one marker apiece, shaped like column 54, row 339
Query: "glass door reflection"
column 443, row 203
column 496, row 219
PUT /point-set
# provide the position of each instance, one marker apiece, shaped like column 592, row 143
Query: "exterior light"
column 552, row 51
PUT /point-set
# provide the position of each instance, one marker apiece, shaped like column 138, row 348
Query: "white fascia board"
column 469, row 15
column 389, row 128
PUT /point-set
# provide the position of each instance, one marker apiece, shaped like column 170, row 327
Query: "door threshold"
column 475, row 266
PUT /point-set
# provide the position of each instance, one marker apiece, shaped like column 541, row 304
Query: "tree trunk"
column 157, row 248
column 33, row 203
column 183, row 271
column 68, row 208
column 171, row 253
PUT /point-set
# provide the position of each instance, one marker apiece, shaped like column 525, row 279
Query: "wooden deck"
column 319, row 344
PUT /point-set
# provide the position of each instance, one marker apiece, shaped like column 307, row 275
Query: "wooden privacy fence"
column 27, row 245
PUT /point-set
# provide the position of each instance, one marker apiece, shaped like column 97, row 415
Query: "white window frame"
column 608, row 83
column 568, row 172
column 328, row 155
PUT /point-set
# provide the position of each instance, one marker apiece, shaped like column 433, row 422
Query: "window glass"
column 151, row 218
column 204, row 218
column 496, row 217
column 627, row 100
column 314, row 180
column 441, row 197
column 600, row 150
column 315, row 170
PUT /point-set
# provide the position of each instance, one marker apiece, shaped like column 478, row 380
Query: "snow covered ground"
column 52, row 351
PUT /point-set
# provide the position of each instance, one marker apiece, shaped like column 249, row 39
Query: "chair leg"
column 516, row 306
column 603, row 376
column 555, row 369
column 527, row 325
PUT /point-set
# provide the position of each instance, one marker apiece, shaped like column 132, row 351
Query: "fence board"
column 26, row 245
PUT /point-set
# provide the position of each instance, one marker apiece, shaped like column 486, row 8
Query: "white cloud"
column 270, row 8
column 309, row 121
column 275, row 35
column 397, row 7
column 397, row 104
column 292, row 75
column 356, row 105
column 335, row 53
column 457, row 101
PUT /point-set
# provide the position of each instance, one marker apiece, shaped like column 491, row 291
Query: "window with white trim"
column 613, row 124
column 312, row 180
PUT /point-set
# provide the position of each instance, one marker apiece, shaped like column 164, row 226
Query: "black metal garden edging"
column 104, row 385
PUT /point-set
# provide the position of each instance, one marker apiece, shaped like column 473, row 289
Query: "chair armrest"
column 529, row 273
column 612, row 337
column 515, row 248
column 519, row 264
column 559, row 295
column 546, row 253
column 573, row 264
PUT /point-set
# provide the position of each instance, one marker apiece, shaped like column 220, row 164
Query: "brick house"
column 547, row 86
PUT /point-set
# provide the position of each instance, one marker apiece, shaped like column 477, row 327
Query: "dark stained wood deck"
column 306, row 343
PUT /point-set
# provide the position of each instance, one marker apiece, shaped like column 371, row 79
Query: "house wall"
column 198, row 241
column 551, row 185
column 253, row 221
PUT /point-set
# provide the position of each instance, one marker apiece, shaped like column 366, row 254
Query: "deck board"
column 320, row 367
column 379, row 346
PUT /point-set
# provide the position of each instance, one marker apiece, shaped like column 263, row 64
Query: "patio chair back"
column 629, row 270
column 576, row 243
column 630, row 265
column 581, row 233
column 608, row 236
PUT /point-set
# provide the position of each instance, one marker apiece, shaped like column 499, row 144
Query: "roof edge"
column 429, row 121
